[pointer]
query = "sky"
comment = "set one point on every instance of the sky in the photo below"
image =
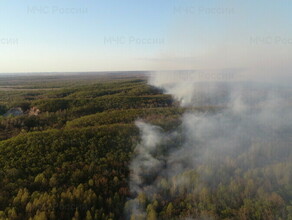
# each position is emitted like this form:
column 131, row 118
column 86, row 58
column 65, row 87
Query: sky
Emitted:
column 119, row 35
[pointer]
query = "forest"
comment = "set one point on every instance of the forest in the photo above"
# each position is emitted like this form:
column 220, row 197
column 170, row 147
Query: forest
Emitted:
column 67, row 155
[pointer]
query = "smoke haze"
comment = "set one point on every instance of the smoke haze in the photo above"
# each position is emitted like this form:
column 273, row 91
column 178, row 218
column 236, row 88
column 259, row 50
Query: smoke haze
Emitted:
column 249, row 132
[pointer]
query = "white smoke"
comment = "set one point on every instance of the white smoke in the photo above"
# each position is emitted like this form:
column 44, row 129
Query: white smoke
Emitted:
column 250, row 118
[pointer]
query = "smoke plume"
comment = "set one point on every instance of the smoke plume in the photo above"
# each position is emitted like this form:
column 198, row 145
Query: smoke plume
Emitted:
column 249, row 130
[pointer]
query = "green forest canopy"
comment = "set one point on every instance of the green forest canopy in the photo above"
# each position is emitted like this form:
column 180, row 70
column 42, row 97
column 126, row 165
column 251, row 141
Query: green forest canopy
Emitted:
column 71, row 161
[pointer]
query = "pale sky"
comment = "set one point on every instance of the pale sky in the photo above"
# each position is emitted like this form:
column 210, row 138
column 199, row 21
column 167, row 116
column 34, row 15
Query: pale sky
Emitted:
column 113, row 35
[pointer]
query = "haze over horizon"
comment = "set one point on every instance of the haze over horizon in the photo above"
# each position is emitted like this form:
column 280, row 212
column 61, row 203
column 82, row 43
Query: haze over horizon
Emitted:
column 81, row 36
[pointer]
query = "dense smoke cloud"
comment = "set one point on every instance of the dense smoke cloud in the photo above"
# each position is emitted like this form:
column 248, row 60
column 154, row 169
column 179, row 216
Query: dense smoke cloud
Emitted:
column 250, row 129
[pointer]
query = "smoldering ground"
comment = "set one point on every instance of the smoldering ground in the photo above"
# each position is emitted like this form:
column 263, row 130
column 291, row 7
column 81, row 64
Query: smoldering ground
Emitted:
column 250, row 132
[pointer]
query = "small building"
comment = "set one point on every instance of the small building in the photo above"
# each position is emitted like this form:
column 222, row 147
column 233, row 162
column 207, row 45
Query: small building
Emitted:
column 33, row 111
